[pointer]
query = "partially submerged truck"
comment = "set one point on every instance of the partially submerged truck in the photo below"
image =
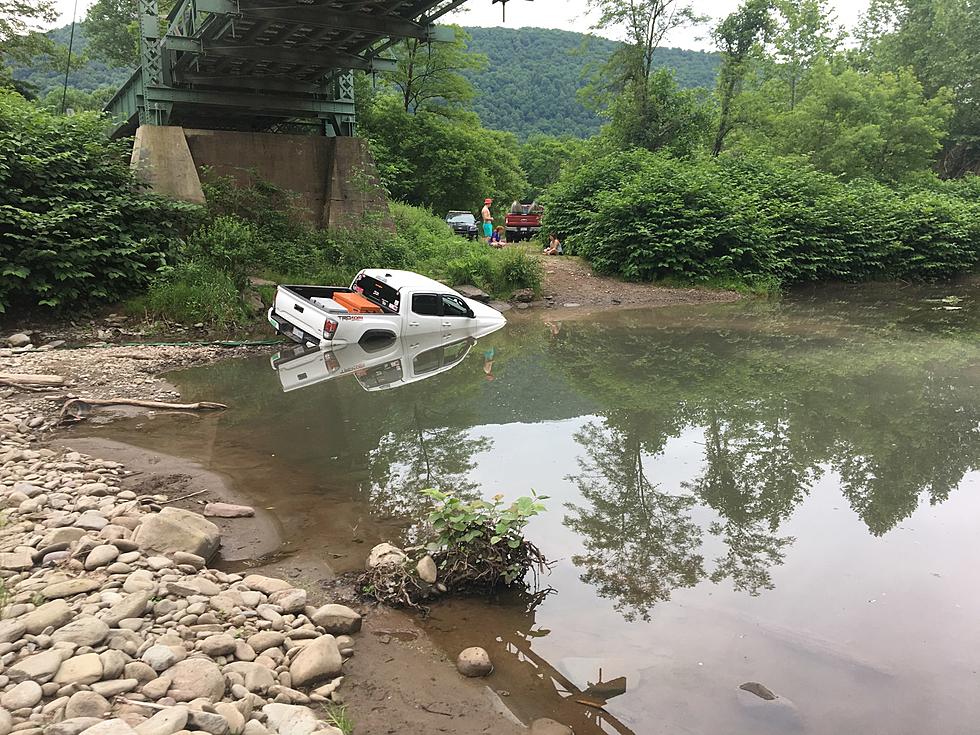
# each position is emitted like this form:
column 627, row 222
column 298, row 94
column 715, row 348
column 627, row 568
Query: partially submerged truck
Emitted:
column 378, row 305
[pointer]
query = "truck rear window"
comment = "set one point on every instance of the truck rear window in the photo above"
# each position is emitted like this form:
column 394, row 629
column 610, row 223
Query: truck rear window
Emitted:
column 380, row 293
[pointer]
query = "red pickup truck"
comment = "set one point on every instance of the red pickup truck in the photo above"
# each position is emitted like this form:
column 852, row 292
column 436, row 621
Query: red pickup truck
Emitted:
column 523, row 221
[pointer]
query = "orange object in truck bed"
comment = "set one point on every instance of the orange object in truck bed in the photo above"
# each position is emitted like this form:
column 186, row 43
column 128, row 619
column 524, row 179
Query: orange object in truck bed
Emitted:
column 355, row 303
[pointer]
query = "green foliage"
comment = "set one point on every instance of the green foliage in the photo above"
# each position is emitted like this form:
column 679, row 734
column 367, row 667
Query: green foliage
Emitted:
column 19, row 24
column 113, row 31
column 660, row 117
column 336, row 715
column 429, row 75
column 191, row 292
column 937, row 40
column 467, row 527
column 646, row 217
column 532, row 82
column 542, row 158
column 75, row 227
column 438, row 161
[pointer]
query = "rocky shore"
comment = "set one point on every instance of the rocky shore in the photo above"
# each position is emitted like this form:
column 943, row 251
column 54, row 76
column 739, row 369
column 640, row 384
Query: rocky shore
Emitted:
column 112, row 622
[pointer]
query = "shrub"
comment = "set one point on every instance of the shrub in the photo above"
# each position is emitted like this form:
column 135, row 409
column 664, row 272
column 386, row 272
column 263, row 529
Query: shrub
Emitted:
column 75, row 227
column 645, row 216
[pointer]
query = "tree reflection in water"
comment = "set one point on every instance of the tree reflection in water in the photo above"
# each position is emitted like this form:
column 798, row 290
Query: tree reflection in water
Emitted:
column 640, row 541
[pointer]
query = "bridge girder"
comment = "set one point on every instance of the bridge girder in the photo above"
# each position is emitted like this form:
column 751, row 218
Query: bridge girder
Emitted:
column 240, row 64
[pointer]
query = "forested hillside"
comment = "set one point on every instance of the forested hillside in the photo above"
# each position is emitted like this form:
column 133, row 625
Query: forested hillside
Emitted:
column 531, row 83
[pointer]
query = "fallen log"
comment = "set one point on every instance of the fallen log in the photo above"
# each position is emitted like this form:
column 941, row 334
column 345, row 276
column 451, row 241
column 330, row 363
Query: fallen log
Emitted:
column 69, row 412
column 25, row 379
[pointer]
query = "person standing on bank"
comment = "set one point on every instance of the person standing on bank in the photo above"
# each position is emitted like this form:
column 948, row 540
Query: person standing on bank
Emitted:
column 487, row 220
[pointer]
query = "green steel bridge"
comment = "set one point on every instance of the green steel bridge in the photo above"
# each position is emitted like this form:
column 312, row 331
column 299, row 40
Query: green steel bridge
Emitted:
column 252, row 65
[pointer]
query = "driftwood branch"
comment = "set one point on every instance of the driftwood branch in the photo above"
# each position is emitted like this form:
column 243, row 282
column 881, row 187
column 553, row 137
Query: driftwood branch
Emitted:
column 31, row 382
column 71, row 408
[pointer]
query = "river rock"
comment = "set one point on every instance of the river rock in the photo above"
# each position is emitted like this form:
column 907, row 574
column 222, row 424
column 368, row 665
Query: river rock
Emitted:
column 84, row 630
column 385, row 554
column 474, row 662
column 84, row 669
column 51, row 614
column 41, row 667
column 100, row 556
column 759, row 690
column 258, row 678
column 265, row 639
column 546, row 726
column 290, row 601
column 265, row 585
column 319, row 659
column 337, row 619
column 113, row 663
column 427, row 570
column 87, row 704
column 208, row 722
column 18, row 340
column 16, row 561
column 131, row 606
column 165, row 722
column 290, row 719
column 111, row 727
column 74, row 726
column 70, row 587
column 114, row 687
column 218, row 645
column 6, row 722
column 175, row 529
column 231, row 715
column 26, row 694
column 196, row 677
column 91, row 520
column 159, row 658
column 11, row 630
column 183, row 557
column 227, row 510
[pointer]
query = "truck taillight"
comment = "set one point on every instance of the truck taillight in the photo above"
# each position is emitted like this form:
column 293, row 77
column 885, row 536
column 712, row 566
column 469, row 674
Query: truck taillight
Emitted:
column 329, row 328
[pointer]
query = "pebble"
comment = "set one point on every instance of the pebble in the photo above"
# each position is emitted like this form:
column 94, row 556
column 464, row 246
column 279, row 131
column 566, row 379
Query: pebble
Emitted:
column 474, row 662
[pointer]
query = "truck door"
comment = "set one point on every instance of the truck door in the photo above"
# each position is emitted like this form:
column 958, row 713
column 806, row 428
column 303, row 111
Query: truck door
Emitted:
column 424, row 314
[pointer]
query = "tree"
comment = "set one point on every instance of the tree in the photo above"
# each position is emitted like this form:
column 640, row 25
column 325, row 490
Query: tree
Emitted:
column 854, row 125
column 666, row 117
column 937, row 39
column 542, row 158
column 113, row 32
column 737, row 37
column 430, row 76
column 804, row 31
column 438, row 161
column 20, row 39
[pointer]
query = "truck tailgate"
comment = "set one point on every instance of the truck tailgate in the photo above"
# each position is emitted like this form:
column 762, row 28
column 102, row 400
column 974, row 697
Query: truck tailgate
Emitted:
column 304, row 320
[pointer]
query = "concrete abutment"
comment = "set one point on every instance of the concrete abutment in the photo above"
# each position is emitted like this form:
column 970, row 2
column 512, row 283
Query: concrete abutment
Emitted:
column 335, row 179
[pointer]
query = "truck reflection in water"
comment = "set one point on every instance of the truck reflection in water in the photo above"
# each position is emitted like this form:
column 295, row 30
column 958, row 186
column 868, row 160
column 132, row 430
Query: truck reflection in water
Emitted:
column 378, row 364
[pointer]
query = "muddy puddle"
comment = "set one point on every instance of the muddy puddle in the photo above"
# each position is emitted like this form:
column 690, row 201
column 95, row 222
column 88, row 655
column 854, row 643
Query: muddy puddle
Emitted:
column 781, row 493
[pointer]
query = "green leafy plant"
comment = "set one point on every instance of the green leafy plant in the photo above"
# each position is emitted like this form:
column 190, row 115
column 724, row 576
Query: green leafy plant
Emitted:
column 480, row 531
column 75, row 226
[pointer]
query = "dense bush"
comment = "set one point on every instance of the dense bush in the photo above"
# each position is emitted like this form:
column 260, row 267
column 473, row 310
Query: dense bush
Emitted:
column 75, row 228
column 645, row 217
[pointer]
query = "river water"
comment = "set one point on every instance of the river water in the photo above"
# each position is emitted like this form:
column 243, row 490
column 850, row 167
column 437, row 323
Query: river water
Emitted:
column 781, row 492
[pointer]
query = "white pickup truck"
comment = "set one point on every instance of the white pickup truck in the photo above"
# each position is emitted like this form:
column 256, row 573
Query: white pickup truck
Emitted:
column 402, row 304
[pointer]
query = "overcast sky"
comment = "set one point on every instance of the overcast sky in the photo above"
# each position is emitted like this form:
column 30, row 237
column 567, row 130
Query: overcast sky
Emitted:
column 570, row 15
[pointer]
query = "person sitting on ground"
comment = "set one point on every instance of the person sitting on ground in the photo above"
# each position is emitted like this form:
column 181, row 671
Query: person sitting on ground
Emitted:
column 497, row 238
column 554, row 245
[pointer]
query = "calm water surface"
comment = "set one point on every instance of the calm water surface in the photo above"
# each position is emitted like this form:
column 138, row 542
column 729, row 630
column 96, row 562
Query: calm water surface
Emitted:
column 784, row 493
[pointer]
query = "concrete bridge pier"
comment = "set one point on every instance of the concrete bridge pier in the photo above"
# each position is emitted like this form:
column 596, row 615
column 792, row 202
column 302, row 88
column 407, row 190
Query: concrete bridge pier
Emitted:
column 335, row 178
